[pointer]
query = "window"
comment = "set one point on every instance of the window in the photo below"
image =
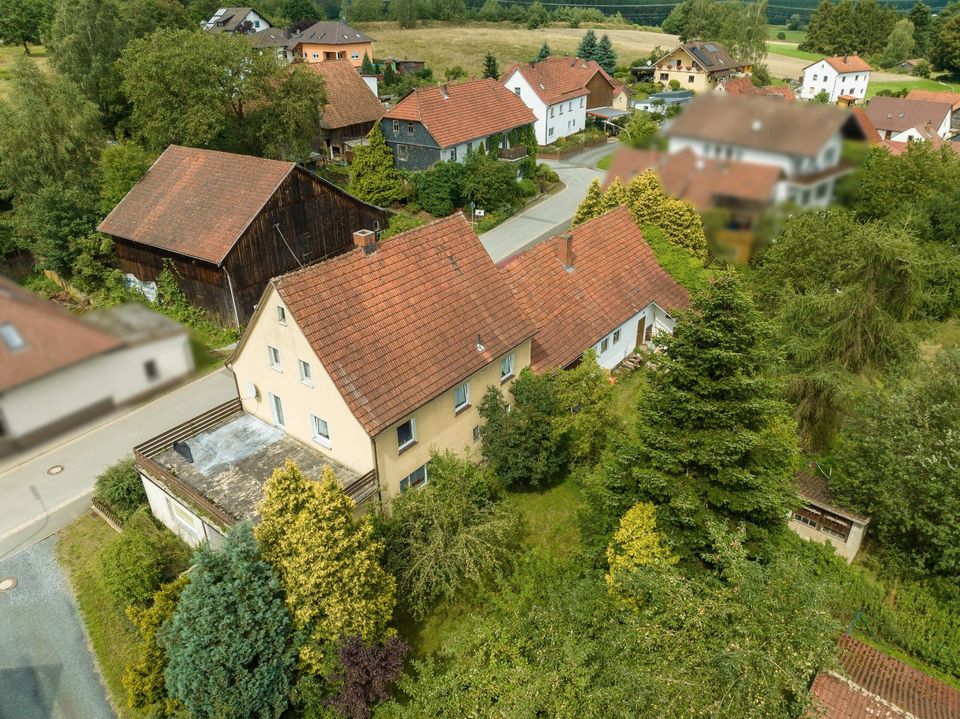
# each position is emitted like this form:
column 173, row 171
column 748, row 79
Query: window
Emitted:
column 453, row 154
column 664, row 76
column 570, row 106
column 321, row 431
column 406, row 434
column 461, row 397
column 469, row 147
column 506, row 368
column 476, row 433
column 616, row 336
column 604, row 344
column 396, row 126
column 417, row 478
column 409, row 128
column 516, row 91
column 281, row 315
column 276, row 409
column 581, row 102
column 551, row 111
column 306, row 374
column 814, row 77
column 354, row 55
column 150, row 369
column 273, row 355
column 182, row 517
column 402, row 152
column 11, row 337
column 823, row 189
column 690, row 79
column 316, row 56
column 551, row 132
column 561, row 108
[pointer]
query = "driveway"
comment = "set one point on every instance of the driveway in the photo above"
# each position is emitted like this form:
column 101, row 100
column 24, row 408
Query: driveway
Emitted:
column 552, row 215
column 46, row 669
column 34, row 503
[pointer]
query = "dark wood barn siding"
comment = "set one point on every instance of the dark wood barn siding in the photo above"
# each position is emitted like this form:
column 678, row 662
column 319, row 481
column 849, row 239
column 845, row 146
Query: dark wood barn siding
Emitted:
column 601, row 92
column 316, row 220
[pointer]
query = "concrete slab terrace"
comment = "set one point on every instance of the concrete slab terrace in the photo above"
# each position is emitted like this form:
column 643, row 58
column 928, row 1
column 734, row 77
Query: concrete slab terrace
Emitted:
column 232, row 461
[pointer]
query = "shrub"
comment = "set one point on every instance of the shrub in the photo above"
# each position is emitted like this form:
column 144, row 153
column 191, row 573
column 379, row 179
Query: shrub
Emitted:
column 365, row 675
column 781, row 35
column 674, row 84
column 439, row 188
column 528, row 188
column 487, row 182
column 120, row 488
column 400, row 222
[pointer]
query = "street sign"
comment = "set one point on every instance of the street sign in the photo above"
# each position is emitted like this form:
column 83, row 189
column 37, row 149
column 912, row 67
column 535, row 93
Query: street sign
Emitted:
column 478, row 213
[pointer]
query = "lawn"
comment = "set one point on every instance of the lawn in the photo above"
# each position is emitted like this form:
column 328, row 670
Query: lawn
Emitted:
column 604, row 162
column 790, row 50
column 112, row 636
column 911, row 83
column 796, row 36
column 9, row 53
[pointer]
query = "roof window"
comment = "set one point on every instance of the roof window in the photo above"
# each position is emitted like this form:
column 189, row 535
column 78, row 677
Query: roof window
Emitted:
column 11, row 337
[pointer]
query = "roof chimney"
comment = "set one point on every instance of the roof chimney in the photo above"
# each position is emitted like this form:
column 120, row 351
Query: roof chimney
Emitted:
column 366, row 240
column 565, row 250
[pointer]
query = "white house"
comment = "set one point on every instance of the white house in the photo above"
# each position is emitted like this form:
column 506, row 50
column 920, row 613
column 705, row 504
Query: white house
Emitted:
column 803, row 139
column 229, row 19
column 900, row 119
column 844, row 78
column 556, row 90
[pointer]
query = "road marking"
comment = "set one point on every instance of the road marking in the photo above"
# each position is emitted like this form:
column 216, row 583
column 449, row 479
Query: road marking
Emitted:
column 44, row 515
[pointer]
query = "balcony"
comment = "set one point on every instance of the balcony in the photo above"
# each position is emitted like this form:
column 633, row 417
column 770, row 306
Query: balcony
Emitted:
column 511, row 154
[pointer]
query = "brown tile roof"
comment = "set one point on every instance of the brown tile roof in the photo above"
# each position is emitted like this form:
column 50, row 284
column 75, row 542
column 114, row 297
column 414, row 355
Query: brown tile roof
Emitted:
column 397, row 327
column 898, row 147
column 329, row 32
column 877, row 685
column 231, row 17
column 349, row 99
column 813, row 488
column 270, row 37
column 196, row 202
column 847, row 63
column 698, row 180
column 898, row 113
column 873, row 137
column 556, row 79
column 454, row 114
column 781, row 127
column 53, row 337
column 711, row 56
column 934, row 96
column 615, row 276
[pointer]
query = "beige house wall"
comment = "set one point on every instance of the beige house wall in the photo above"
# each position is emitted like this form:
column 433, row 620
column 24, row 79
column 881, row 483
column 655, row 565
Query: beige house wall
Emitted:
column 307, row 50
column 439, row 427
column 349, row 443
column 848, row 550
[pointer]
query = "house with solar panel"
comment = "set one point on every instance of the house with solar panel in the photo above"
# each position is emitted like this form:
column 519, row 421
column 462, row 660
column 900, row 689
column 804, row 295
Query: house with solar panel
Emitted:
column 698, row 66
column 244, row 20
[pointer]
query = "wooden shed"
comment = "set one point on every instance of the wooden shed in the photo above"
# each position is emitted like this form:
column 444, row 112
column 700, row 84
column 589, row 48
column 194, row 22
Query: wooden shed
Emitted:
column 229, row 223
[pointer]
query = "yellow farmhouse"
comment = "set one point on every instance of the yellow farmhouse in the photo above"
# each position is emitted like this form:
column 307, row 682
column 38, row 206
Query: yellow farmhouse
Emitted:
column 698, row 66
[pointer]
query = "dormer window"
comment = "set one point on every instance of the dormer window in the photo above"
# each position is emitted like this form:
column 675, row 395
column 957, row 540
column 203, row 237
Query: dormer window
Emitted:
column 12, row 337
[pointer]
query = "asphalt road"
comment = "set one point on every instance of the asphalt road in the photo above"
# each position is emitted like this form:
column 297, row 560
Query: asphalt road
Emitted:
column 35, row 504
column 551, row 216
column 46, row 669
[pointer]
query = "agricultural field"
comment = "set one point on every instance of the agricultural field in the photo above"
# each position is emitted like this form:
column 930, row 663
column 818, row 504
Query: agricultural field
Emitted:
column 909, row 82
column 8, row 54
column 794, row 36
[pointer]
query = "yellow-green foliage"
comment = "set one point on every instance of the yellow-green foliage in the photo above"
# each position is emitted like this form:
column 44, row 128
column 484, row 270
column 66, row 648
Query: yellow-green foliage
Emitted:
column 635, row 544
column 644, row 196
column 615, row 196
column 684, row 225
column 592, row 204
column 328, row 561
column 144, row 680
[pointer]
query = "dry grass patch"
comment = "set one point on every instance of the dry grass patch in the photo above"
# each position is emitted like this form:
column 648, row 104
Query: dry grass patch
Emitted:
column 9, row 53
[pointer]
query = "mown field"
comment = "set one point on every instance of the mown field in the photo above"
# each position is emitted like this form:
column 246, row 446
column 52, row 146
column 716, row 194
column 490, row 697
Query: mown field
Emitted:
column 8, row 54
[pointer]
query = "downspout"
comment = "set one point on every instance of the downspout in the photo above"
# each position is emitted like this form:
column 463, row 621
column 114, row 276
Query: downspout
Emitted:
column 233, row 297
column 376, row 469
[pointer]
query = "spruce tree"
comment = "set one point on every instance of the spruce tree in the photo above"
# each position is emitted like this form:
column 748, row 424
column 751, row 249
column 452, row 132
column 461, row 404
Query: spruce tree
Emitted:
column 591, row 206
column 605, row 56
column 544, row 52
column 714, row 439
column 367, row 67
column 588, row 46
column 490, row 68
column 373, row 177
column 922, row 18
column 327, row 559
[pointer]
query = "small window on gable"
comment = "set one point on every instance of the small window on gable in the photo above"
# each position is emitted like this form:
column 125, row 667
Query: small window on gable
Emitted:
column 616, row 336
column 604, row 344
column 273, row 355
column 396, row 126
column 150, row 369
column 281, row 315
column 321, row 430
column 814, row 76
column 506, row 368
column 516, row 91
column 581, row 102
column 306, row 374
column 461, row 397
column 406, row 434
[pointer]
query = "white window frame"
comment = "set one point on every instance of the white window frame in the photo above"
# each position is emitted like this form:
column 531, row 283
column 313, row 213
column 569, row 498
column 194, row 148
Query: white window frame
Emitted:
column 306, row 372
column 507, row 363
column 466, row 397
column 281, row 315
column 183, row 517
column 405, row 482
column 276, row 409
column 396, row 127
column 316, row 426
column 402, row 153
column 616, row 336
column 604, row 345
column 413, row 434
column 273, row 357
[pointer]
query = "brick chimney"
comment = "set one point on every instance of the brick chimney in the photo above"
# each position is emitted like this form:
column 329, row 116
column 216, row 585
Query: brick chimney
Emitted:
column 565, row 250
column 366, row 240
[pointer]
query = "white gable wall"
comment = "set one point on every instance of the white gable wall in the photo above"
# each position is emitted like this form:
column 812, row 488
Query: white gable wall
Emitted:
column 822, row 76
column 531, row 100
column 554, row 121
column 628, row 339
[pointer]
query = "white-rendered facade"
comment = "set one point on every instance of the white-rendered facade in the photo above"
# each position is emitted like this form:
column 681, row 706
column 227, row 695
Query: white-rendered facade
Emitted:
column 621, row 341
column 822, row 76
column 553, row 121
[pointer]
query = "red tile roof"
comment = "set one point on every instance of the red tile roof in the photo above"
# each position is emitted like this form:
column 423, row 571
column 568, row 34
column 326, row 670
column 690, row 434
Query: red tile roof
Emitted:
column 454, row 114
column 698, row 180
column 934, row 96
column 349, row 99
column 876, row 682
column 614, row 276
column 873, row 137
column 745, row 86
column 53, row 338
column 196, row 202
column 847, row 63
column 397, row 327
column 556, row 79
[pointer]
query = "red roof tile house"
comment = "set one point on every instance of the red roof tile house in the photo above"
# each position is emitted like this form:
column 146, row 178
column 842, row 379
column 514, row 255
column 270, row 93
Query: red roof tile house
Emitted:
column 351, row 109
column 559, row 91
column 229, row 223
column 843, row 77
column 899, row 119
column 445, row 122
column 598, row 287
column 873, row 684
column 58, row 370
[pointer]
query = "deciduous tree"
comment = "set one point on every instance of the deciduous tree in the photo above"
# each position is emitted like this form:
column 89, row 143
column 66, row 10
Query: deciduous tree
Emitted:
column 21, row 22
column 635, row 544
column 900, row 44
column 122, row 164
column 328, row 562
column 945, row 52
column 288, row 122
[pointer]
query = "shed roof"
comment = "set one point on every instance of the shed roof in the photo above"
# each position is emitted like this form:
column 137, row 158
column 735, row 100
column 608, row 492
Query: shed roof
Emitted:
column 813, row 488
column 349, row 99
column 454, row 114
column 556, row 79
column 615, row 275
column 196, row 202
column 898, row 113
column 756, row 122
column 50, row 338
column 397, row 327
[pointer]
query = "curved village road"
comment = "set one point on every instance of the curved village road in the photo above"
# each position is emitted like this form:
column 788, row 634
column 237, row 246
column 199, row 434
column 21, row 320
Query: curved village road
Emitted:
column 550, row 216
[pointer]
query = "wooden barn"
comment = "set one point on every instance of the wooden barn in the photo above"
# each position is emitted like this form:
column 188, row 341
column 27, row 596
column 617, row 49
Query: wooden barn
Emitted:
column 229, row 223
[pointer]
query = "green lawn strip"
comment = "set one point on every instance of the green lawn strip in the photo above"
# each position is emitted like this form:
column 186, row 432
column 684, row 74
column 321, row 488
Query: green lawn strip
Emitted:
column 788, row 50
column 911, row 83
column 112, row 636
column 604, row 162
